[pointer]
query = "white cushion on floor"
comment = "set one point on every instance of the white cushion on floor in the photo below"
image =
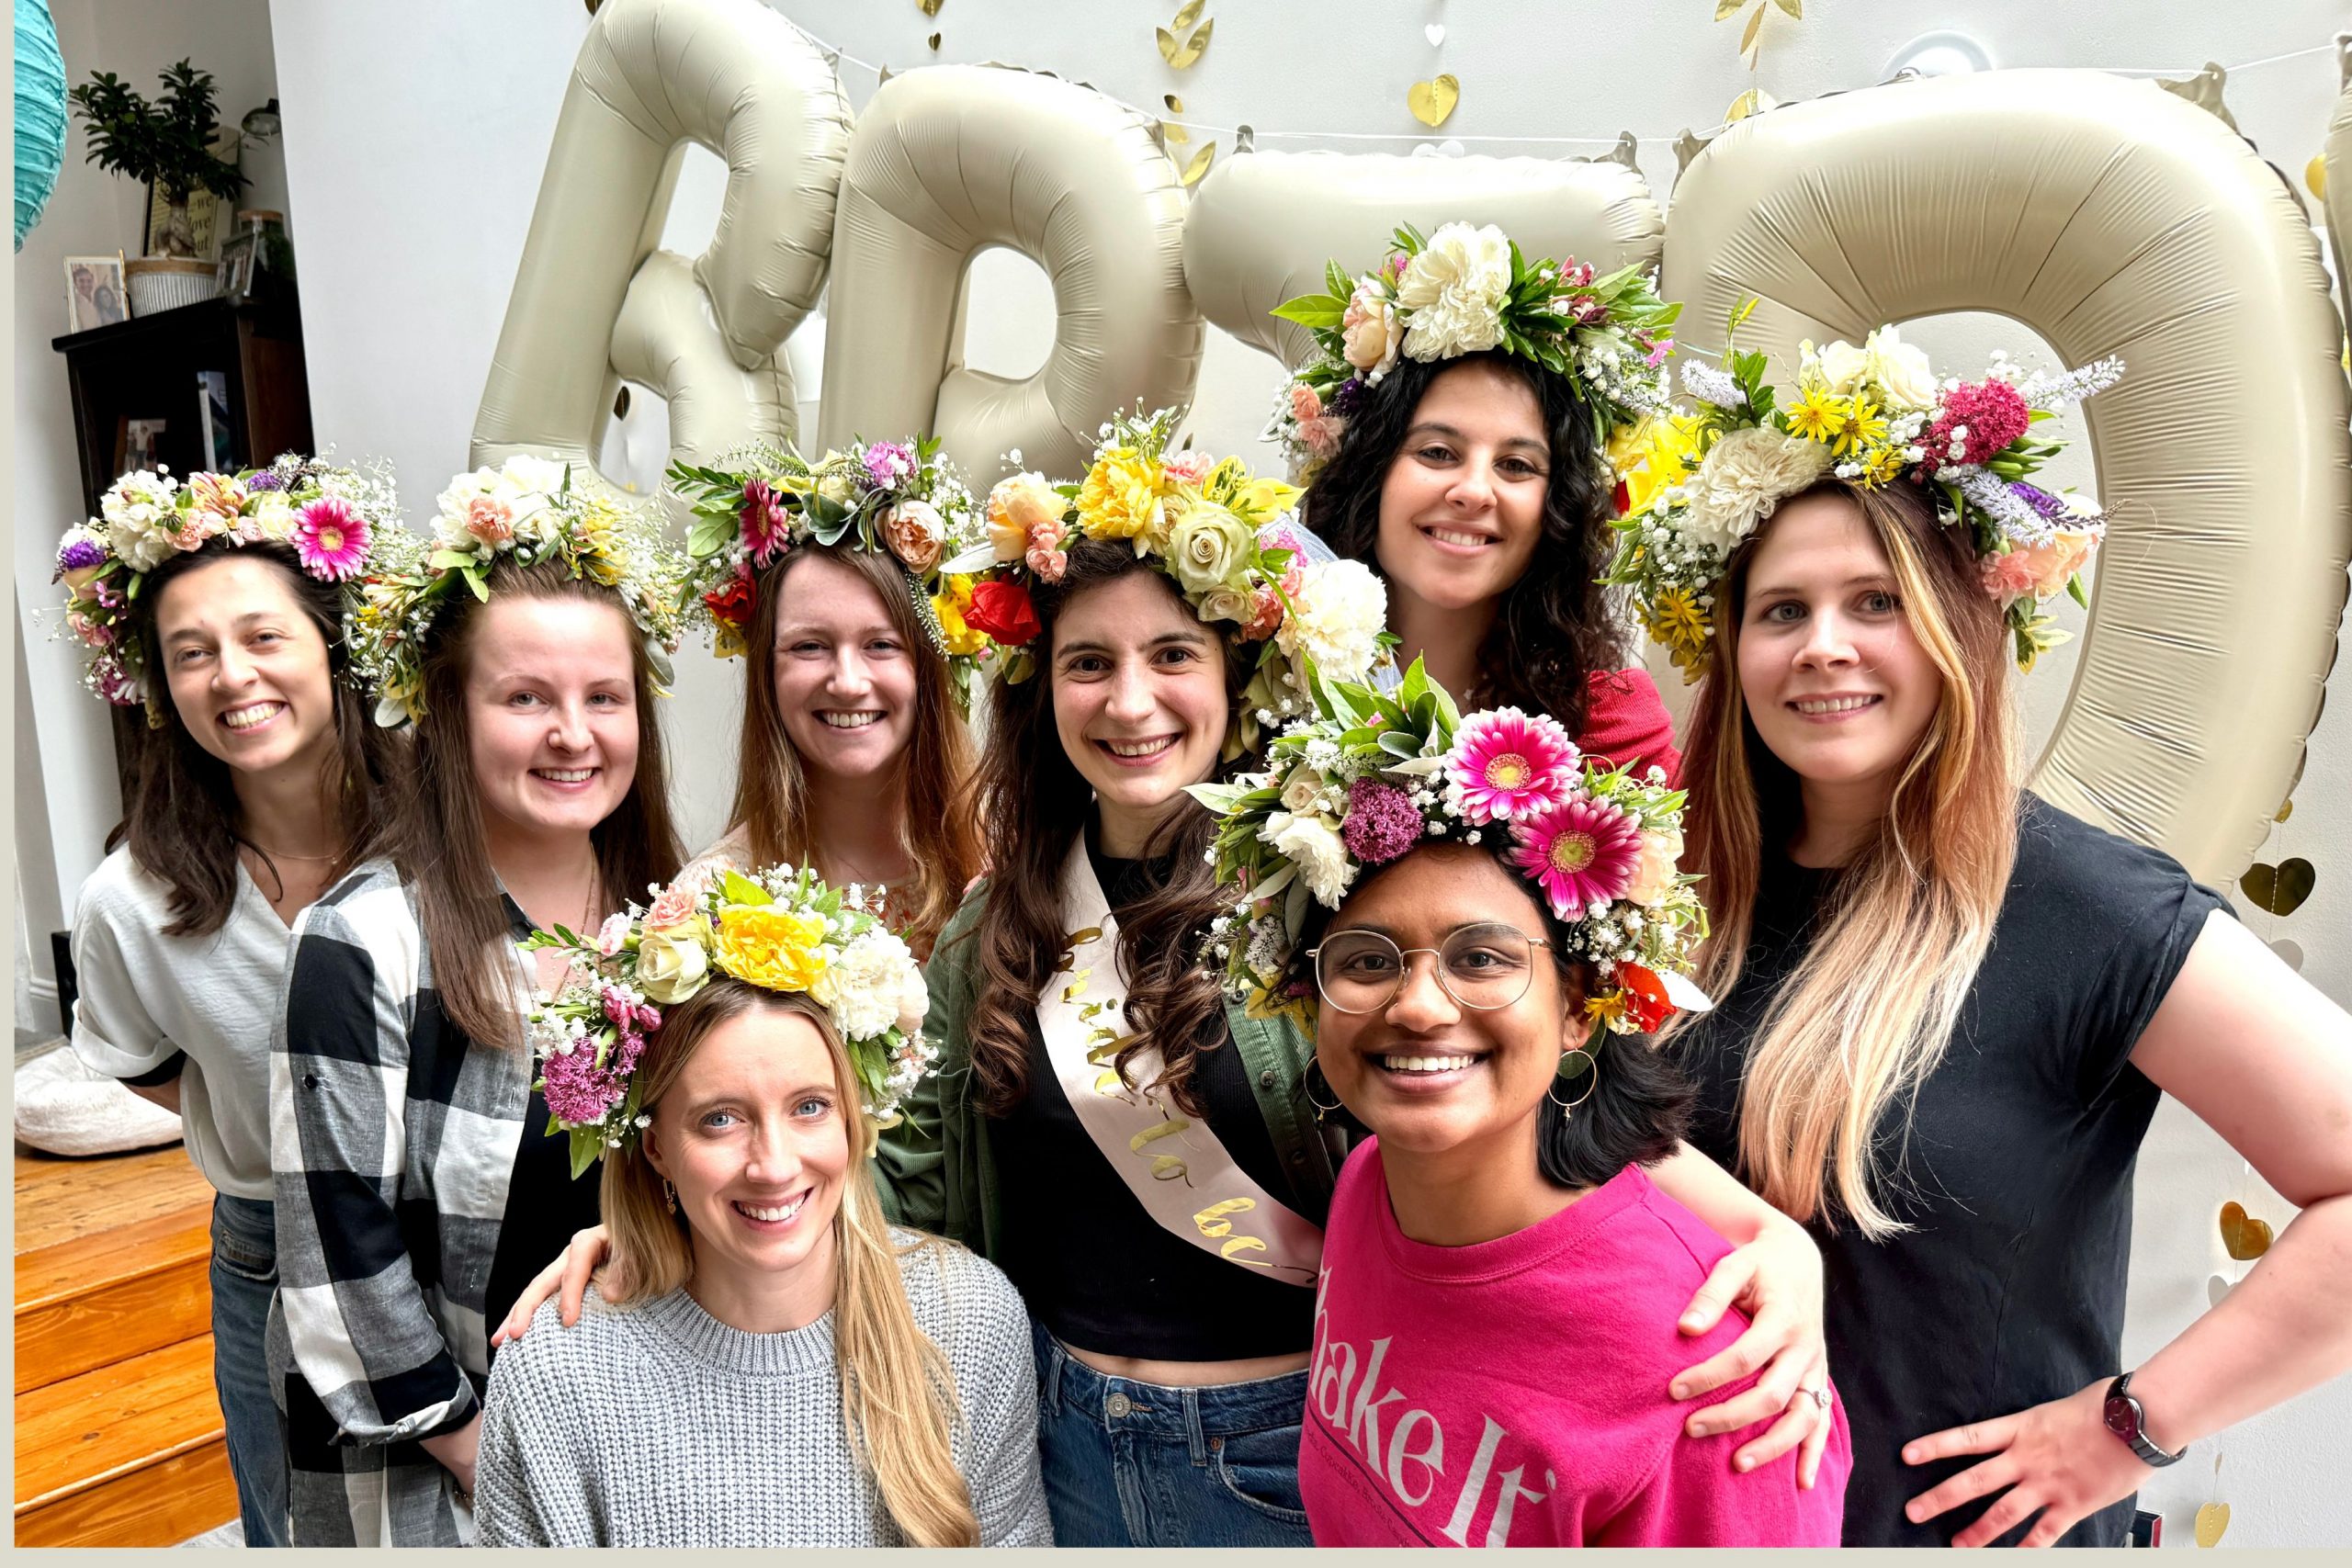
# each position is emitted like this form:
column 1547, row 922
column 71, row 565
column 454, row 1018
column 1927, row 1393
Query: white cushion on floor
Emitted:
column 65, row 1107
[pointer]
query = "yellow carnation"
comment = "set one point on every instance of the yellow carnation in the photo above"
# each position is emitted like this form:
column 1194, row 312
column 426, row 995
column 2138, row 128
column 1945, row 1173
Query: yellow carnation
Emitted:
column 771, row 947
column 1120, row 498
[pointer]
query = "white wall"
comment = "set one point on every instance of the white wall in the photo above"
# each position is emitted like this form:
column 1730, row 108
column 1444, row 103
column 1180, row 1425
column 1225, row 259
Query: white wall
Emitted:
column 66, row 798
column 414, row 138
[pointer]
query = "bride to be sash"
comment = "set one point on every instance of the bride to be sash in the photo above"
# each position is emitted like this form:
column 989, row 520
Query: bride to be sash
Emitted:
column 1184, row 1176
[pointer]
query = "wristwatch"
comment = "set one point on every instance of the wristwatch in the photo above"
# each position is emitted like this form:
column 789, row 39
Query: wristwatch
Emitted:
column 2128, row 1422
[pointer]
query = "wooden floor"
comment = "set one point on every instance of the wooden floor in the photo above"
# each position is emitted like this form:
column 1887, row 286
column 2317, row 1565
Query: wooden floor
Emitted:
column 119, row 1434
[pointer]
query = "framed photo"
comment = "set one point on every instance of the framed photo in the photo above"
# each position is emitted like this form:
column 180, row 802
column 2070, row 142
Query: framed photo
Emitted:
column 236, row 269
column 94, row 296
column 207, row 215
column 136, row 442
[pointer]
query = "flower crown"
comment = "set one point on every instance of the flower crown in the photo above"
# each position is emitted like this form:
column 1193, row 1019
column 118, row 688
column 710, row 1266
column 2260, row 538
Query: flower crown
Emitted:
column 893, row 498
column 781, row 929
column 1871, row 416
column 1462, row 290
column 1226, row 536
column 342, row 524
column 525, row 511
column 1370, row 774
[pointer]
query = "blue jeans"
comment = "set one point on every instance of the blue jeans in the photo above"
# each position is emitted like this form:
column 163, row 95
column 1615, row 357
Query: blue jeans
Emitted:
column 244, row 1277
column 1136, row 1464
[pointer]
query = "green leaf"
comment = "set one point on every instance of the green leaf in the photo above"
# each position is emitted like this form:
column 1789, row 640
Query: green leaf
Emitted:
column 1341, row 285
column 2076, row 591
column 1401, row 743
column 475, row 579
column 1312, row 310
column 587, row 1142
column 737, row 888
column 708, row 537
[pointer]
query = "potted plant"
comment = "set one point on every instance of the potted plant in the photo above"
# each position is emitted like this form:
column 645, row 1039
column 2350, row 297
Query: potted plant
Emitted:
column 168, row 143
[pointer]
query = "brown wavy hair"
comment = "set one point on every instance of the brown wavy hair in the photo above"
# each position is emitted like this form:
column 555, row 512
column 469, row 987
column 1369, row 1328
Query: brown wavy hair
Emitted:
column 1850, row 1037
column 898, row 1404
column 1554, row 628
column 772, row 791
column 438, row 839
column 182, row 821
column 1035, row 804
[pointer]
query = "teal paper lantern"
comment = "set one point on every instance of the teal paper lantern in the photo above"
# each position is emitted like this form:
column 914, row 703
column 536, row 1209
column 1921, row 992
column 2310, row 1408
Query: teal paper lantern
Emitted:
column 40, row 113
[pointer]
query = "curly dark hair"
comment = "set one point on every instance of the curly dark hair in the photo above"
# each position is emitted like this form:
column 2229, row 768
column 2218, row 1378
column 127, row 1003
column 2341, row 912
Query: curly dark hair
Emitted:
column 1553, row 630
column 1034, row 804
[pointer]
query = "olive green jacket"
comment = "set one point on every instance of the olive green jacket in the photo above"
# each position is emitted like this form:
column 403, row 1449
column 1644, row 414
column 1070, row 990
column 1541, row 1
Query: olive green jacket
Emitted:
column 936, row 1170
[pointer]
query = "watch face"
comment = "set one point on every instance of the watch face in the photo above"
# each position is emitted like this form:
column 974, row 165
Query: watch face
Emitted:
column 2121, row 1418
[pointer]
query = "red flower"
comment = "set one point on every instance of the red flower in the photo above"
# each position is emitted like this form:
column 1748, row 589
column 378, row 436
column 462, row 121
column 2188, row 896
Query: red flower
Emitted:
column 1646, row 1005
column 1624, row 498
column 732, row 602
column 1001, row 612
column 1992, row 412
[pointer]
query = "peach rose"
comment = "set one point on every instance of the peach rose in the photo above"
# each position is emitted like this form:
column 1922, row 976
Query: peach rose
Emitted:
column 914, row 531
column 1655, row 869
column 1370, row 330
column 1018, row 506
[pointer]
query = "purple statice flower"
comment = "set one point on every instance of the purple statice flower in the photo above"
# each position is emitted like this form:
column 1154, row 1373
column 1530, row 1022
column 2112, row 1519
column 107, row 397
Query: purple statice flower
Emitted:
column 264, row 480
column 1346, row 398
column 2051, row 507
column 889, row 464
column 1382, row 823
column 78, row 552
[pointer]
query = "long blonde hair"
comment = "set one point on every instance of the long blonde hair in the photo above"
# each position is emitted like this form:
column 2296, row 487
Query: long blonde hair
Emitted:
column 1868, row 1014
column 899, row 1404
column 937, row 829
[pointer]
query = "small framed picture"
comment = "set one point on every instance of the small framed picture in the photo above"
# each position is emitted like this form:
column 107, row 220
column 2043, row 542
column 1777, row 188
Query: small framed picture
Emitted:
column 236, row 268
column 93, row 292
column 139, row 441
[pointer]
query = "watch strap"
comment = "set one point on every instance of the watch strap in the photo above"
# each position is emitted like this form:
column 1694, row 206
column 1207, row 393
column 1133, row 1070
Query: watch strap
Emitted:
column 2136, row 1436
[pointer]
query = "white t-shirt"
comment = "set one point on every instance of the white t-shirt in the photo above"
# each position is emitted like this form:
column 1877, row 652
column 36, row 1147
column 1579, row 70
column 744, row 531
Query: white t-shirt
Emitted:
column 145, row 996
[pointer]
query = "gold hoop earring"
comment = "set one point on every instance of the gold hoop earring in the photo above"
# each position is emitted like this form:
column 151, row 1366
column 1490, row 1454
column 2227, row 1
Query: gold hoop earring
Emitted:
column 1586, row 1065
column 1307, row 1086
column 670, row 1194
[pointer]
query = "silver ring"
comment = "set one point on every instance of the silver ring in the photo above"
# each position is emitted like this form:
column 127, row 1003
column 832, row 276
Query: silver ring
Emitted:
column 1820, row 1396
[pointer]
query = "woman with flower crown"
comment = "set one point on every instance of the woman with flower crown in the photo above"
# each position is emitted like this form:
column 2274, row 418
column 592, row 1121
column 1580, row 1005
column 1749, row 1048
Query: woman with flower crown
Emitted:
column 1948, row 1007
column 772, row 1365
column 1514, row 1114
column 218, row 604
column 830, row 576
column 1455, row 425
column 407, row 1134
column 1096, row 1100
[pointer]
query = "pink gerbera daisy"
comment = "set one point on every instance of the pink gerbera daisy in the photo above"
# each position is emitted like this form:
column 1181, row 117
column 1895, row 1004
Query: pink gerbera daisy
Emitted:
column 1505, row 764
column 1582, row 853
column 767, row 522
column 331, row 539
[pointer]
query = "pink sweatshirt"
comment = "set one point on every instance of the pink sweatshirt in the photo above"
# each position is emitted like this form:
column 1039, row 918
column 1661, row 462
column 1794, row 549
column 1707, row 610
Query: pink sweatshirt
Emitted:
column 1513, row 1392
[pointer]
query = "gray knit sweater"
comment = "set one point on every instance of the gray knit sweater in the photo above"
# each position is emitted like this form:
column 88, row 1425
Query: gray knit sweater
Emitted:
column 659, row 1425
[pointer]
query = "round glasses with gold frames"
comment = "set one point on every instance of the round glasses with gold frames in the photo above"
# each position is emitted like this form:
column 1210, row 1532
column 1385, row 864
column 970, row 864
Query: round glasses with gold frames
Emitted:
column 1483, row 967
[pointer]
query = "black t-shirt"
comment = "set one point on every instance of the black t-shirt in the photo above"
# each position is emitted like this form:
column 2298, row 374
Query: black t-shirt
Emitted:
column 543, row 1206
column 1093, row 1264
column 2015, row 1178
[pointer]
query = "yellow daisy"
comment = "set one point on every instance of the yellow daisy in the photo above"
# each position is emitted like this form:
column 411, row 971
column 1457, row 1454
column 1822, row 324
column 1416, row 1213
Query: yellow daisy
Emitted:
column 1865, row 427
column 1816, row 415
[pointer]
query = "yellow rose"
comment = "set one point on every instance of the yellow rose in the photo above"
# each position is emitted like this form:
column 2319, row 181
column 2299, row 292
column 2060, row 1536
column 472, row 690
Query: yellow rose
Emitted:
column 769, row 947
column 673, row 961
column 1120, row 498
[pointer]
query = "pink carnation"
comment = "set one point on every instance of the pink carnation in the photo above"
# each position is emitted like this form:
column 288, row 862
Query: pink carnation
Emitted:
column 1304, row 404
column 612, row 934
column 1993, row 414
column 1321, row 436
column 1382, row 823
column 671, row 905
column 1189, row 468
column 1505, row 764
column 1048, row 565
column 1582, row 853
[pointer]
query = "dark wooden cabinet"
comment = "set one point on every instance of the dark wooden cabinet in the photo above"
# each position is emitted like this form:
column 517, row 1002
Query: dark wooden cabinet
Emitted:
column 147, row 368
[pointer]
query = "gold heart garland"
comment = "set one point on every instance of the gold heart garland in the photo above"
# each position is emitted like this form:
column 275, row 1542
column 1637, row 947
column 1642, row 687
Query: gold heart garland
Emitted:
column 2281, row 888
column 2245, row 1238
column 1432, row 102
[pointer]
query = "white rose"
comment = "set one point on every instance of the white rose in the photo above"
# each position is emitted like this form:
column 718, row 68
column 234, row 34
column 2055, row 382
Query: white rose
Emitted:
column 1335, row 619
column 1370, row 330
column 1226, row 604
column 1302, row 790
column 1842, row 366
column 273, row 515
column 1906, row 381
column 1454, row 290
column 1744, row 476
column 1313, row 845
column 523, row 475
